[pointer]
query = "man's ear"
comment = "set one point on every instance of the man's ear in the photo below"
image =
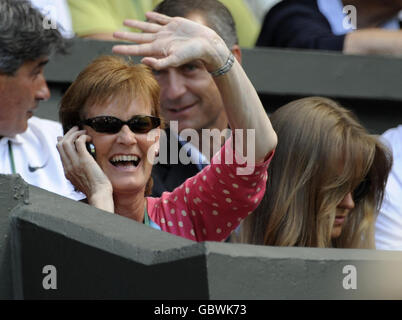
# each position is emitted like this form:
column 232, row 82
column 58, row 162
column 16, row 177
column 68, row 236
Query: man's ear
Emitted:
column 237, row 52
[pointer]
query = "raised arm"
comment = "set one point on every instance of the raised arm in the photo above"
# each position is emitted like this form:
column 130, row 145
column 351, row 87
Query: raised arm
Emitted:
column 171, row 42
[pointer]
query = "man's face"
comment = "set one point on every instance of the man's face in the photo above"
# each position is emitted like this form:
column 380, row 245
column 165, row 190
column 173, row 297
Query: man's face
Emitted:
column 20, row 95
column 190, row 96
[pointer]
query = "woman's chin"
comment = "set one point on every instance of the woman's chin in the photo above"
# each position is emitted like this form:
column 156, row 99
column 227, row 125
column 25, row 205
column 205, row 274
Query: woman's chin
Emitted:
column 129, row 186
column 336, row 232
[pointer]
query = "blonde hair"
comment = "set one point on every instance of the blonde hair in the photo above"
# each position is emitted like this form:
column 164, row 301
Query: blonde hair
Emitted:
column 323, row 153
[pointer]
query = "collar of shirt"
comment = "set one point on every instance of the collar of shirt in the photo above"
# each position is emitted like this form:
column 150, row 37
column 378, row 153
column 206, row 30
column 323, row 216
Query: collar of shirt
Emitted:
column 33, row 137
column 17, row 139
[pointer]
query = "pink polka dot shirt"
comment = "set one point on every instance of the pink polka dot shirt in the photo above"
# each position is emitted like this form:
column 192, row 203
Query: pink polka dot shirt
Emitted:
column 210, row 205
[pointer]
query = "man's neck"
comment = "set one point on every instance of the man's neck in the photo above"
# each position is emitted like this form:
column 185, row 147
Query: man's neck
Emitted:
column 372, row 13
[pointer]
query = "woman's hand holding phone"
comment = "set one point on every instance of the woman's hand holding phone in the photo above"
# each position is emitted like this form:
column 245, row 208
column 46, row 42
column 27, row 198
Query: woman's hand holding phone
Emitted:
column 83, row 171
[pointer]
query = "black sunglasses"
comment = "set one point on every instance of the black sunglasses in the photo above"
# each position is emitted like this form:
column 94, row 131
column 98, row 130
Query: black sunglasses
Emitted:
column 362, row 190
column 109, row 124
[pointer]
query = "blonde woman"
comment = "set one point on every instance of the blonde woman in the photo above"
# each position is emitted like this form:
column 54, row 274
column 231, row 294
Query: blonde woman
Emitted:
column 326, row 182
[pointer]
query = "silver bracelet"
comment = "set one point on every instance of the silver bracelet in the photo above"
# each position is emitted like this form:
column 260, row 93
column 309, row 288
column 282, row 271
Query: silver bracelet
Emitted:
column 225, row 68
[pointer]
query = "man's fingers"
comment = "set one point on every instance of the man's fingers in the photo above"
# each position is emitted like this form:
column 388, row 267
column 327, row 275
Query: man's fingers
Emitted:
column 159, row 64
column 142, row 25
column 124, row 50
column 135, row 36
column 158, row 17
column 146, row 49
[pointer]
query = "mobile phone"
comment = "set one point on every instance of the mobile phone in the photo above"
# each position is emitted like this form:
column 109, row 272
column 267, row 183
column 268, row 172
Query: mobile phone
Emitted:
column 91, row 149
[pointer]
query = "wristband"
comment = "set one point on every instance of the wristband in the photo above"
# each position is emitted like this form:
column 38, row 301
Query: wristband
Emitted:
column 225, row 68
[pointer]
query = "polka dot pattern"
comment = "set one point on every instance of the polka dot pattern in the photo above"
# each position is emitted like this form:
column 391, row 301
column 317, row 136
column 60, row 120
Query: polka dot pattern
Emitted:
column 210, row 205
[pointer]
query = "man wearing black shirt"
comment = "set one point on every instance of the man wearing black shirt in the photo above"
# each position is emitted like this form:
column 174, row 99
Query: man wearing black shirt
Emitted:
column 306, row 24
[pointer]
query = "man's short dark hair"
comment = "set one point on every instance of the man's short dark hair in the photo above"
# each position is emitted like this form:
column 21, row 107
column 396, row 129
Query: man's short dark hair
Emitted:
column 216, row 15
column 23, row 36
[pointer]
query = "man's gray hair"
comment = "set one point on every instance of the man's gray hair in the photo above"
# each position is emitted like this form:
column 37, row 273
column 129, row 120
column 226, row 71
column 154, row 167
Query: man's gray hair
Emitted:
column 23, row 36
column 216, row 16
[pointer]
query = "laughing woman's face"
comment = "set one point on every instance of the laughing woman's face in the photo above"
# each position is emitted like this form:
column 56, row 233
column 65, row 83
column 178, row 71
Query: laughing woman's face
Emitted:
column 125, row 157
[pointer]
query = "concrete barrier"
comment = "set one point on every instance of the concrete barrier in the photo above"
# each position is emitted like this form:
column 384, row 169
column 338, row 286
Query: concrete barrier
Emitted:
column 55, row 248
